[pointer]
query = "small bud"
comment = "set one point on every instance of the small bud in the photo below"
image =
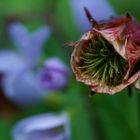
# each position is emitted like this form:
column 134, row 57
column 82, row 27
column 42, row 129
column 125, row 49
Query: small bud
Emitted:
column 54, row 75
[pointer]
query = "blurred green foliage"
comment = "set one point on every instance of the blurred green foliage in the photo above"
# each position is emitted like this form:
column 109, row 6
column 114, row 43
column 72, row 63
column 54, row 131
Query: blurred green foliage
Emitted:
column 101, row 117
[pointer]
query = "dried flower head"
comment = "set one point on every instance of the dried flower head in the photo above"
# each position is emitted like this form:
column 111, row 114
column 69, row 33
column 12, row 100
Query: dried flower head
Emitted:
column 107, row 57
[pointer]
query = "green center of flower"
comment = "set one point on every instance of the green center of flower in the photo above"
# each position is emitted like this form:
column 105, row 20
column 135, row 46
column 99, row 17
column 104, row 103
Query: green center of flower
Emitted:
column 100, row 61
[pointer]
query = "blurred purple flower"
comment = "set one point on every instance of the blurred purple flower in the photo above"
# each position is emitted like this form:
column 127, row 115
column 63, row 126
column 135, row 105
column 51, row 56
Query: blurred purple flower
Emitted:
column 101, row 9
column 43, row 127
column 54, row 75
column 20, row 84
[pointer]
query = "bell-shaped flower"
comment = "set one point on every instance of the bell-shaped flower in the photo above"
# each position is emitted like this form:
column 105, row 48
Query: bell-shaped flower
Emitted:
column 48, row 126
column 54, row 75
column 100, row 8
column 20, row 84
column 107, row 57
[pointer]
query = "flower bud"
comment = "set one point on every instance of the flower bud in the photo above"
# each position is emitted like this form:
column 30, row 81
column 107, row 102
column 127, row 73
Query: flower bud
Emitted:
column 54, row 75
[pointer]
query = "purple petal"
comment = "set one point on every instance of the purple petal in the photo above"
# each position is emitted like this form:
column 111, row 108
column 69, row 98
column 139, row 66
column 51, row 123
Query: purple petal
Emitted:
column 100, row 9
column 29, row 44
column 19, row 34
column 54, row 76
column 43, row 127
column 36, row 42
column 53, row 79
column 22, row 88
column 55, row 63
column 10, row 61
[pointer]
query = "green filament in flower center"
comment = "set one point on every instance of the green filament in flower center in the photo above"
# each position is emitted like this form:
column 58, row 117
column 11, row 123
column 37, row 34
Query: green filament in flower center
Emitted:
column 100, row 61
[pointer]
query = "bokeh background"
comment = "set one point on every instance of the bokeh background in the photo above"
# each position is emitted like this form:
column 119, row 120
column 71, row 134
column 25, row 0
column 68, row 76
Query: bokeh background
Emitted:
column 100, row 117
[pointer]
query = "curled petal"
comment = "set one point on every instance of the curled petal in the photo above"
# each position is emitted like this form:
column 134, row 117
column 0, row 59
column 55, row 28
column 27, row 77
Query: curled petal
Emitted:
column 48, row 126
column 133, row 49
column 112, row 30
column 133, row 57
column 112, row 90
